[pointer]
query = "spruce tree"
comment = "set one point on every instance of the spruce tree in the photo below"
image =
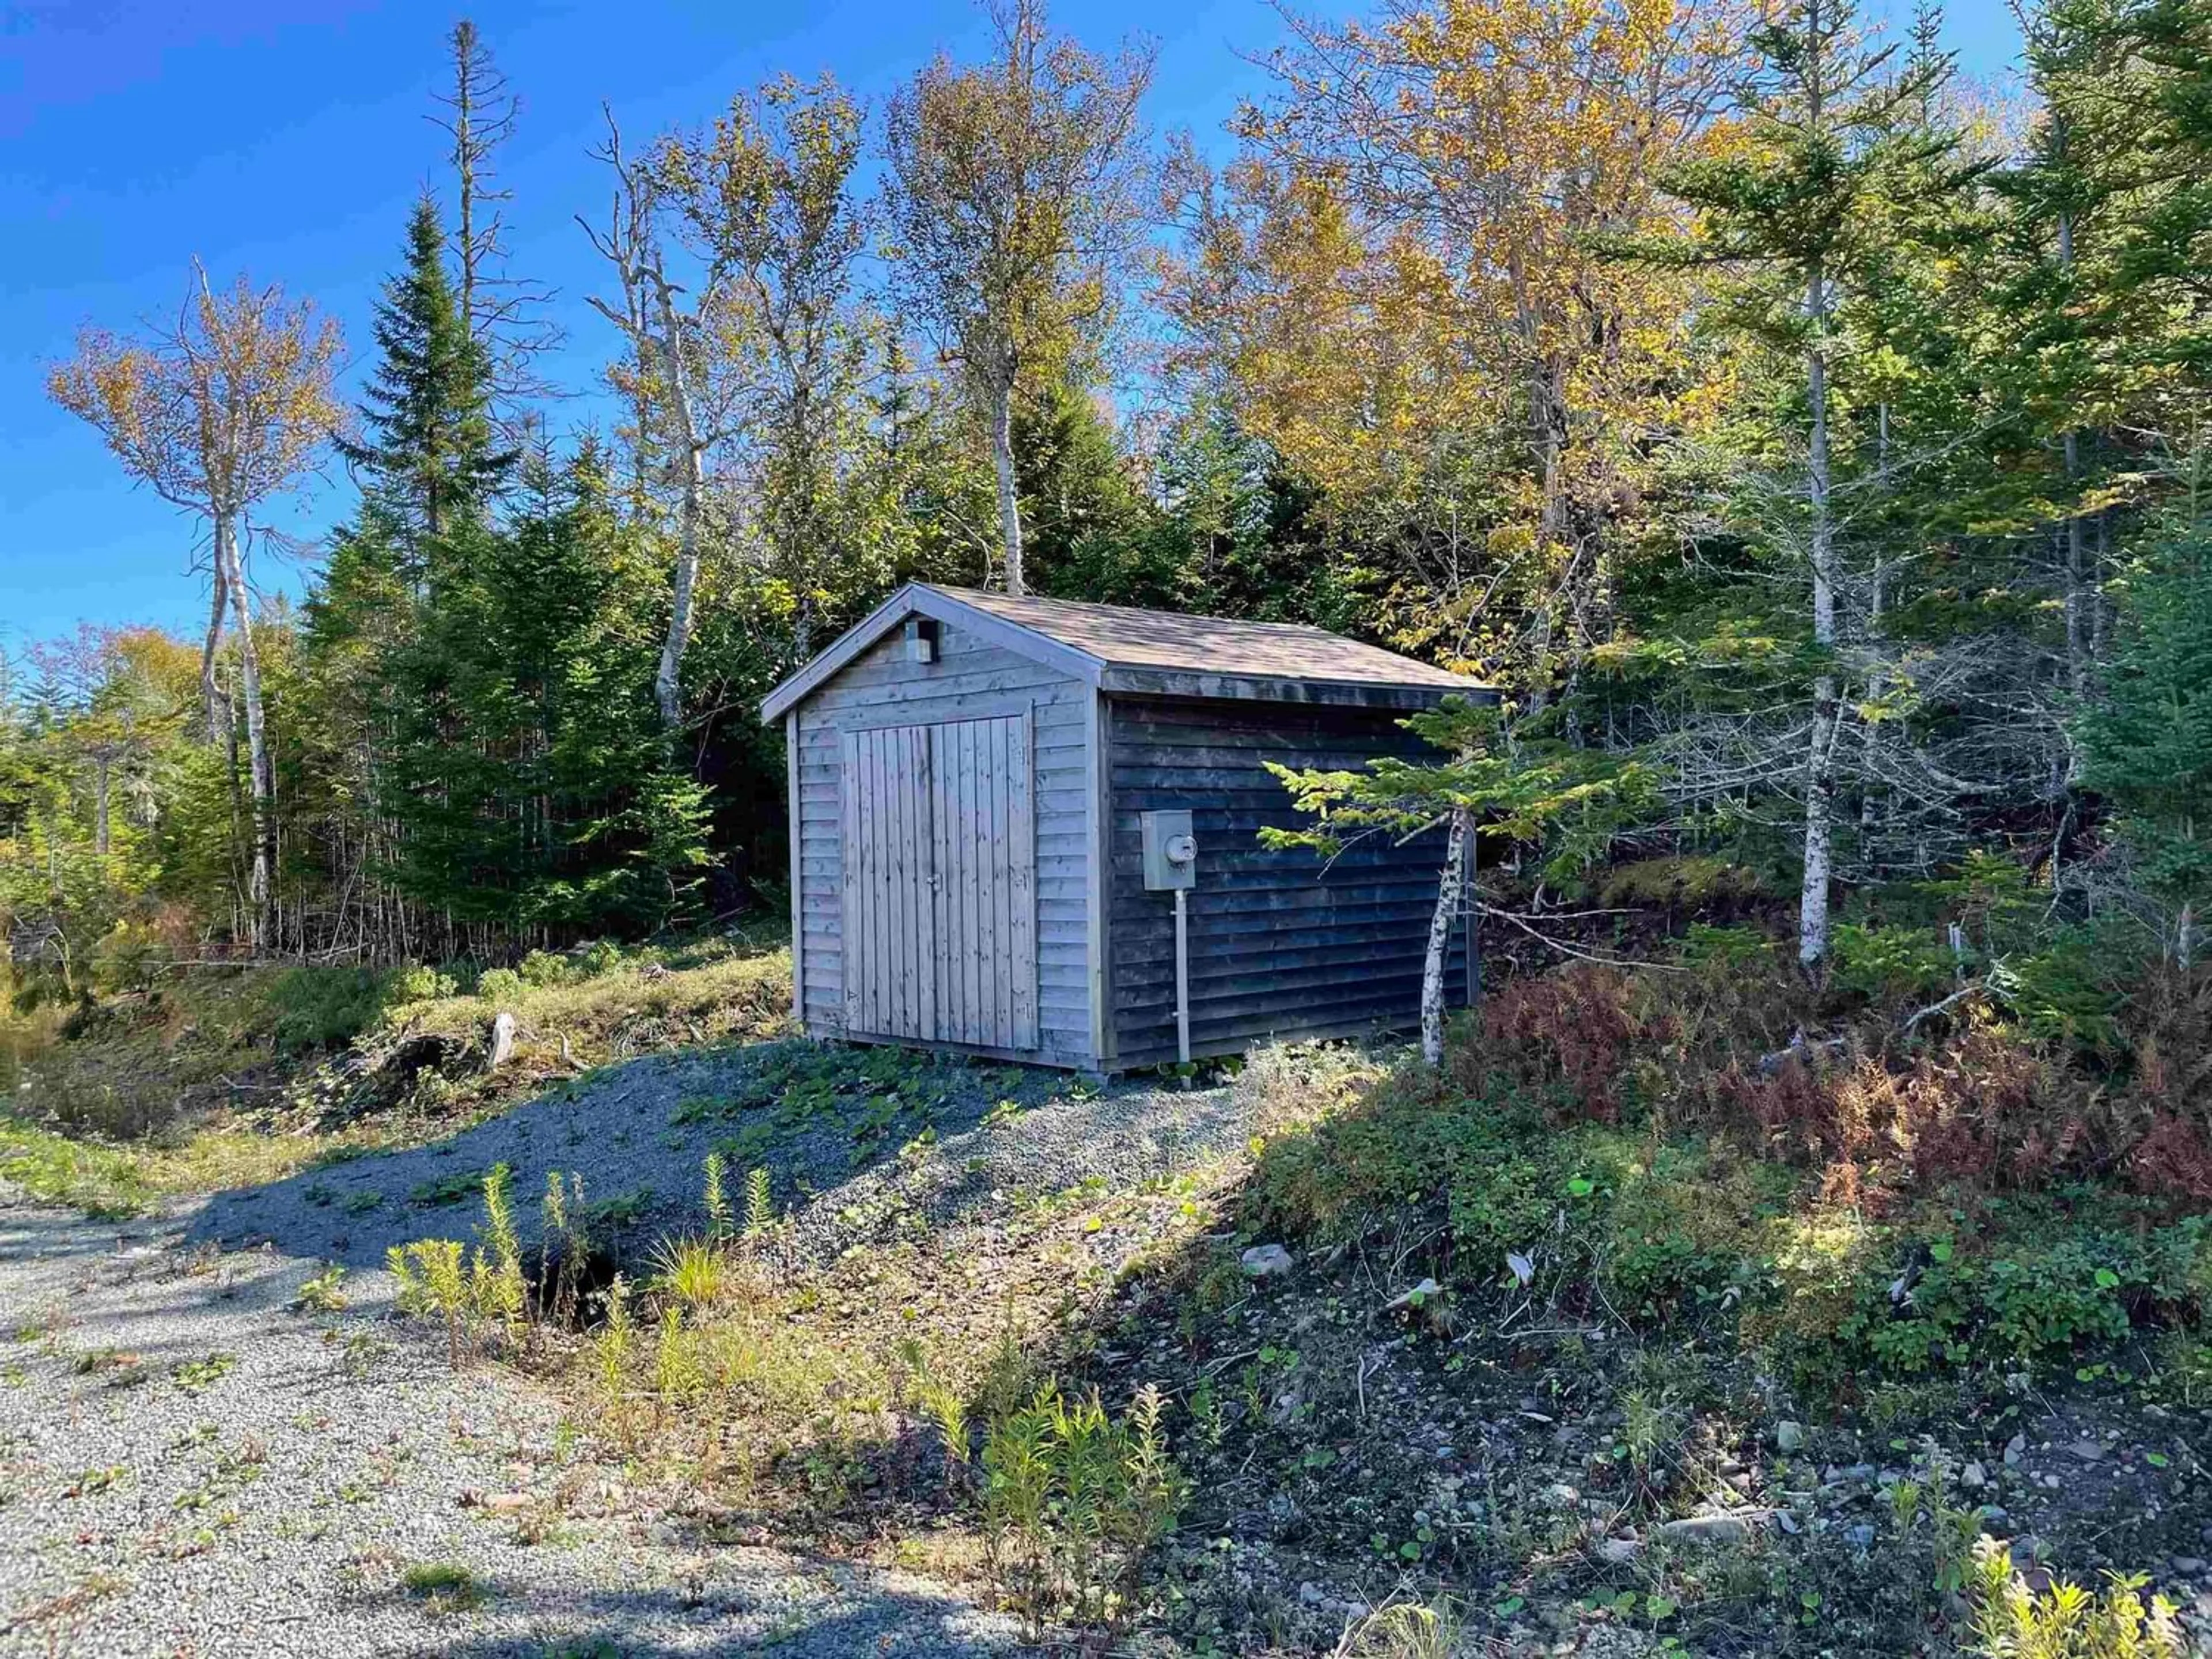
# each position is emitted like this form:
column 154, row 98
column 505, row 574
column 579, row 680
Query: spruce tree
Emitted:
column 429, row 450
column 1803, row 211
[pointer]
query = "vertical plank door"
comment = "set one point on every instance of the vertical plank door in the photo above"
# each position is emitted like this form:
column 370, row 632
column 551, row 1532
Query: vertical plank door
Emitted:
column 940, row 882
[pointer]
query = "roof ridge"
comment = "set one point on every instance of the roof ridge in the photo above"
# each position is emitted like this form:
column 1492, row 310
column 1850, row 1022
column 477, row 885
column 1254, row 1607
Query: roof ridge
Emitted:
column 964, row 593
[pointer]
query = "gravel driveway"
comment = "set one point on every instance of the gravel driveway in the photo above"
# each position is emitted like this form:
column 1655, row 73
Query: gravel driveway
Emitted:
column 189, row 1465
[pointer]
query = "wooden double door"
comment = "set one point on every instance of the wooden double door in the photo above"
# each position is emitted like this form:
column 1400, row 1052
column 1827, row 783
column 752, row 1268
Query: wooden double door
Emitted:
column 940, row 882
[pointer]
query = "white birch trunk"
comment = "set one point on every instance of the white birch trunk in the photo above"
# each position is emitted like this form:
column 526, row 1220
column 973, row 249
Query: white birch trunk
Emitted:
column 1002, row 462
column 1451, row 885
column 257, row 739
column 217, row 706
column 1870, row 787
column 1819, row 760
column 101, row 841
column 668, row 680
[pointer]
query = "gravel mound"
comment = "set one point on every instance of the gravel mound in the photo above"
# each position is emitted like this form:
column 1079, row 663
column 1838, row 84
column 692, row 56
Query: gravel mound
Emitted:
column 838, row 1129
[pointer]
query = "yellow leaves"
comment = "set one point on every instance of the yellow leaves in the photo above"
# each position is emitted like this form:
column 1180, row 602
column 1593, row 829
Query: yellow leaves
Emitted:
column 227, row 407
column 1409, row 265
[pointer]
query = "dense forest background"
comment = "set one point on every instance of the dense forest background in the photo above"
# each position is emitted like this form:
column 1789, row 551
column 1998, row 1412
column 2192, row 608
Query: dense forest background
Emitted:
column 1809, row 445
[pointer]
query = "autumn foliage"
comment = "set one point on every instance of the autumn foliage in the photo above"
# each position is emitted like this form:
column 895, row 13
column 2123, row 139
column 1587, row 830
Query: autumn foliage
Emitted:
column 1974, row 1102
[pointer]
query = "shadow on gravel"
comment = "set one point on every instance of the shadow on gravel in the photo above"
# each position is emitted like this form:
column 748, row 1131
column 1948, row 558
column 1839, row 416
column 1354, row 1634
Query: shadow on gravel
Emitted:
column 937, row 1134
column 729, row 1614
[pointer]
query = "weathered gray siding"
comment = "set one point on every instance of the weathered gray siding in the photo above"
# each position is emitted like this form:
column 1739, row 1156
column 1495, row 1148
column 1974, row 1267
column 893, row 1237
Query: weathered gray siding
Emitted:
column 971, row 680
column 1278, row 946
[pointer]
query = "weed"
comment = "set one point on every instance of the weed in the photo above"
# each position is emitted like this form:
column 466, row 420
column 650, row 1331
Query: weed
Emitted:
column 760, row 1203
column 678, row 1376
column 610, row 1352
column 717, row 1201
column 1072, row 1500
column 694, row 1272
column 324, row 1293
column 2011, row 1619
column 198, row 1376
column 564, row 1249
column 942, row 1405
column 1404, row 1631
column 498, row 1268
column 444, row 1587
column 106, row 1184
column 432, row 1280
column 441, row 1190
column 483, row 1286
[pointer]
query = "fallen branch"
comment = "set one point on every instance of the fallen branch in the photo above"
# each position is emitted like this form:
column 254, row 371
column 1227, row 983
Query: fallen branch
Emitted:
column 1936, row 1008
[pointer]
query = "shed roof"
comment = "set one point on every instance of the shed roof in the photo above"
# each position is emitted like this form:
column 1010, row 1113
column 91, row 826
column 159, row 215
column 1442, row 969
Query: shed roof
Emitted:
column 1120, row 648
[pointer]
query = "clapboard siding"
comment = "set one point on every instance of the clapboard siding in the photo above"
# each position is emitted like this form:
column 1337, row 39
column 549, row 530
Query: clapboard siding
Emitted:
column 973, row 680
column 1279, row 946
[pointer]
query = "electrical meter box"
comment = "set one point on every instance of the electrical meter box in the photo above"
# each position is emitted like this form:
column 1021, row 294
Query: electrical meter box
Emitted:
column 1171, row 851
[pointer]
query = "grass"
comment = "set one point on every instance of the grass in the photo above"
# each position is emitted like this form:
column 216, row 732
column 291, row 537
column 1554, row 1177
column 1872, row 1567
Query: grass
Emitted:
column 216, row 1079
column 113, row 1182
column 444, row 1587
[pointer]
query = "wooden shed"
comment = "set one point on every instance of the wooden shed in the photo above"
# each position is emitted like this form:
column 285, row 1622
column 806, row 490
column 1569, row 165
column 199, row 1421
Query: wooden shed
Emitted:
column 987, row 849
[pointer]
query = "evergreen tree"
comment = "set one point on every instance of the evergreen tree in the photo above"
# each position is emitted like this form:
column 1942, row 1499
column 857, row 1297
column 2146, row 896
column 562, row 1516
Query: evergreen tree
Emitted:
column 429, row 450
column 1831, row 173
column 2149, row 742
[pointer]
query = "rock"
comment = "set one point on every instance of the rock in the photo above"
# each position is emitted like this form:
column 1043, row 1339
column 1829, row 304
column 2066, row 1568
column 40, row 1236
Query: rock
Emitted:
column 1617, row 1552
column 498, row 1503
column 1427, row 1291
column 1860, row 1537
column 1267, row 1261
column 1973, row 1477
column 2016, row 1448
column 1788, row 1437
column 2188, row 1564
column 2089, row 1451
column 1708, row 1529
column 1312, row 1593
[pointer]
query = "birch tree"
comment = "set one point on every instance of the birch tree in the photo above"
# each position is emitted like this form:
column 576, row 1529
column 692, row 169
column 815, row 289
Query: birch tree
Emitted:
column 217, row 413
column 1567, row 805
column 764, row 196
column 1016, row 200
column 665, row 328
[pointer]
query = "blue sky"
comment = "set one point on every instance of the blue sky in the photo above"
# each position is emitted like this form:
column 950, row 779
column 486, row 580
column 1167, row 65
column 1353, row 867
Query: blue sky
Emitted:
column 288, row 141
